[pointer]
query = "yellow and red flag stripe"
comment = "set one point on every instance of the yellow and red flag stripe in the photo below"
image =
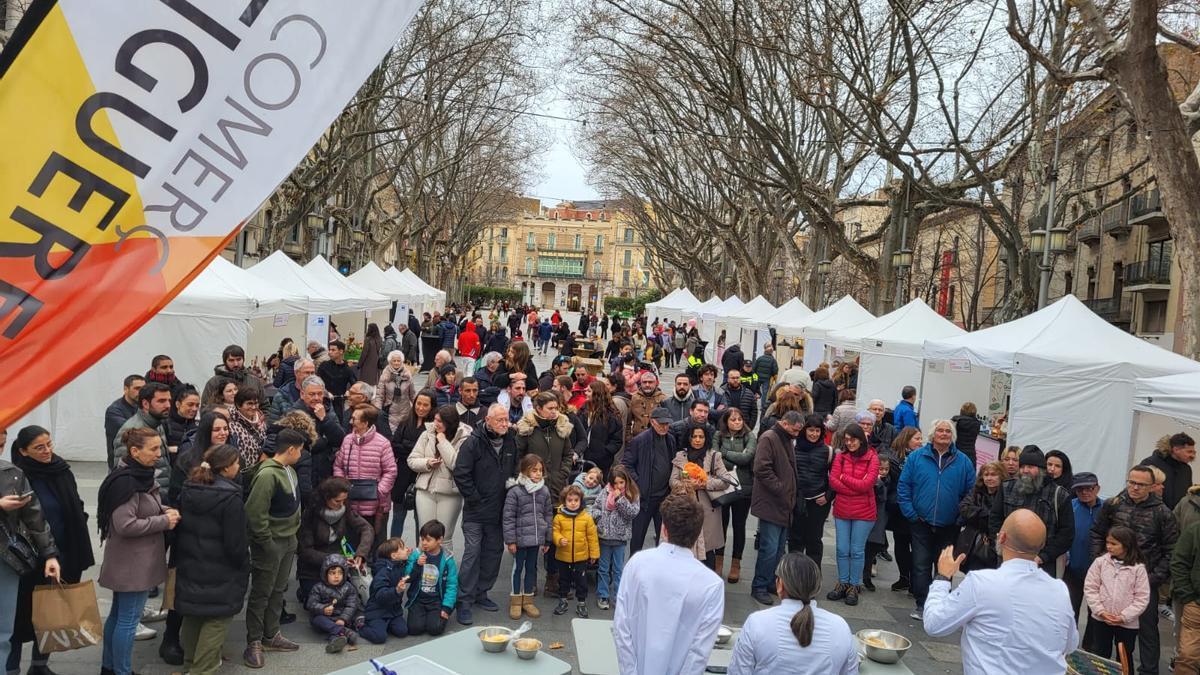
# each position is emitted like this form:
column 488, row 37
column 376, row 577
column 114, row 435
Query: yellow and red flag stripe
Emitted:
column 135, row 137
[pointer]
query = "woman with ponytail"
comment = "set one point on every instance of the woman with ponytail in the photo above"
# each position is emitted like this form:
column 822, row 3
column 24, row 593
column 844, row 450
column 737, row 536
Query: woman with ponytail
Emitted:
column 212, row 563
column 795, row 637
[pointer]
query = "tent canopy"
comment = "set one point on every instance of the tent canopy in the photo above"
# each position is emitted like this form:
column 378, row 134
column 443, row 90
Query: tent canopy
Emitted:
column 755, row 309
column 373, row 277
column 1176, row 396
column 722, row 309
column 841, row 314
column 792, row 309
column 320, row 268
column 439, row 295
column 228, row 291
column 280, row 269
column 901, row 331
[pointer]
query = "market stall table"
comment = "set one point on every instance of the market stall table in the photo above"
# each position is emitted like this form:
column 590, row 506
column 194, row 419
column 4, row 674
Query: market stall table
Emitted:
column 462, row 653
column 598, row 653
column 594, row 366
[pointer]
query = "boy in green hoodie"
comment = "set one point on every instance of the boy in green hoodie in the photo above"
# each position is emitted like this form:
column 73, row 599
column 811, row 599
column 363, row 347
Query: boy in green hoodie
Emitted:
column 272, row 519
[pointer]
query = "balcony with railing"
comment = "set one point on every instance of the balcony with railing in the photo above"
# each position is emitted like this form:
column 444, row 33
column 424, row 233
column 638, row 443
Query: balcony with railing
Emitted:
column 1146, row 208
column 1114, row 221
column 1089, row 232
column 1113, row 310
column 1148, row 275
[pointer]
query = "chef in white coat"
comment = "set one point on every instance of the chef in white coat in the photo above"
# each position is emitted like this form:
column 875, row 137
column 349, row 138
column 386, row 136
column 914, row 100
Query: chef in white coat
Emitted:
column 669, row 605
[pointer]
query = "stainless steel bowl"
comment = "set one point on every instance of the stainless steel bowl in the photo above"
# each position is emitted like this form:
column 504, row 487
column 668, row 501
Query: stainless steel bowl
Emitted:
column 527, row 648
column 724, row 633
column 884, row 646
column 495, row 646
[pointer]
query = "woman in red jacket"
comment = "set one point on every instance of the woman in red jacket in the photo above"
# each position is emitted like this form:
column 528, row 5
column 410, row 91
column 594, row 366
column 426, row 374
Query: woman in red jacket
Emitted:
column 468, row 348
column 852, row 478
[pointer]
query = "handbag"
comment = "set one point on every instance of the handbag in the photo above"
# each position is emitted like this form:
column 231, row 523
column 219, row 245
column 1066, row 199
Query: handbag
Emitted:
column 19, row 552
column 65, row 617
column 361, row 489
column 728, row 494
column 410, row 497
column 974, row 544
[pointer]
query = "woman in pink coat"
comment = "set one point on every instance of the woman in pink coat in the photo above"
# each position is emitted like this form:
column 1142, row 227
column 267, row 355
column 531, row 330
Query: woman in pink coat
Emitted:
column 365, row 454
column 852, row 478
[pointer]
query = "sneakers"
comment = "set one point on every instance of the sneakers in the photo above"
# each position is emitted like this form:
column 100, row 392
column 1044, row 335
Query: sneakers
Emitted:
column 464, row 615
column 762, row 598
column 838, row 592
column 485, row 603
column 885, row 555
column 562, row 607
column 150, row 615
column 581, row 610
column 336, row 644
column 602, row 603
column 917, row 614
column 280, row 644
column 902, row 584
column 253, row 656
column 1166, row 612
column 144, row 632
column 851, row 595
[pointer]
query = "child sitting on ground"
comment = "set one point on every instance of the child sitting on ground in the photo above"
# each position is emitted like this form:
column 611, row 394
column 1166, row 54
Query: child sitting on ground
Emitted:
column 333, row 603
column 614, row 510
column 435, row 582
column 576, row 544
column 528, row 515
column 385, row 610
column 590, row 481
column 1117, row 590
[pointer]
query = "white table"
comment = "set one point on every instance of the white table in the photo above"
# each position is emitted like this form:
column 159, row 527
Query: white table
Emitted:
column 598, row 653
column 462, row 653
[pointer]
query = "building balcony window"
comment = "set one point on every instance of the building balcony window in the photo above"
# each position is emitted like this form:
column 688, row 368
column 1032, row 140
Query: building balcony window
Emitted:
column 1148, row 274
column 1113, row 310
column 1114, row 221
column 1146, row 208
column 1089, row 232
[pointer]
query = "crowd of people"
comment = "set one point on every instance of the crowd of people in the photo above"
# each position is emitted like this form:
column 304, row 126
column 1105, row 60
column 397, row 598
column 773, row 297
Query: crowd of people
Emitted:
column 301, row 472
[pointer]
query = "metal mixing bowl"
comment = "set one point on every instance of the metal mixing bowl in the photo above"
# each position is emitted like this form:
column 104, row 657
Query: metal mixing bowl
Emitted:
column 495, row 646
column 893, row 649
column 723, row 634
column 527, row 648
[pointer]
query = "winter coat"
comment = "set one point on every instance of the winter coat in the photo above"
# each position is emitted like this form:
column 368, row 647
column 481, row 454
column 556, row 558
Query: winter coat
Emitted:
column 640, row 407
column 286, row 373
column 1052, row 504
column 440, row 479
column 650, row 463
column 273, row 504
column 1187, row 511
column 738, row 452
column 495, row 341
column 602, row 440
column 904, row 415
column 211, row 552
column 1178, row 474
column 31, row 522
column 1185, row 566
column 852, row 479
column 115, row 415
column 930, row 489
column 766, row 367
column 329, row 439
column 966, row 431
column 552, row 443
column 719, row 479
column 527, row 516
column 177, row 428
column 975, row 510
column 368, row 456
column 285, row 399
column 481, row 473
column 385, row 603
column 468, row 342
column 679, row 409
column 394, row 395
column 343, row 597
column 774, row 496
column 842, row 417
column 317, row 539
column 742, row 398
column 1152, row 522
column 135, row 553
column 1116, row 588
column 143, row 420
column 824, row 395
column 580, row 532
column 615, row 525
column 732, row 359
column 248, row 436
column 447, row 579
column 878, row 534
column 812, row 469
column 410, row 346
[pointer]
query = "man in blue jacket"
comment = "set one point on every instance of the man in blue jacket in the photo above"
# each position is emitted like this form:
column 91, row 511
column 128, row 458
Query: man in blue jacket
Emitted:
column 905, row 413
column 935, row 478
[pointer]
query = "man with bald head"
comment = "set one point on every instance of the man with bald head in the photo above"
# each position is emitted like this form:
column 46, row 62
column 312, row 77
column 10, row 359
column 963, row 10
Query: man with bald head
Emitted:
column 1014, row 619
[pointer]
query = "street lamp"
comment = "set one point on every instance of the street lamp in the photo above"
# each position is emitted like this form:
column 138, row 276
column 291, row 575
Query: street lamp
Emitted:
column 777, row 274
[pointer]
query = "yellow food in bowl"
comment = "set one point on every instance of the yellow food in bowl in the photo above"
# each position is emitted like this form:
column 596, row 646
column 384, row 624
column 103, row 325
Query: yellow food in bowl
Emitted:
column 495, row 638
column 527, row 643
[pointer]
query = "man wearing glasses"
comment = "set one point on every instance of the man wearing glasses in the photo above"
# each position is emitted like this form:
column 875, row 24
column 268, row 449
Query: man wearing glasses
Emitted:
column 1157, row 530
column 1085, row 506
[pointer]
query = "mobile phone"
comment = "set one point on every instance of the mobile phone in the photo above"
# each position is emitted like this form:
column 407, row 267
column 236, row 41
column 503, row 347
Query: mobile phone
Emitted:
column 716, row 669
column 26, row 495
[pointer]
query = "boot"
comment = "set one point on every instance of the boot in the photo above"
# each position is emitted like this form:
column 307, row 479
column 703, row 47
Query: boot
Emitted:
column 720, row 565
column 515, row 603
column 735, row 571
column 551, row 590
column 531, row 609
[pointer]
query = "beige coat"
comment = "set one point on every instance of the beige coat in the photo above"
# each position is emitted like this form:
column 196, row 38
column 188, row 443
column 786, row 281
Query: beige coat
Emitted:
column 719, row 478
column 135, row 556
column 394, row 395
column 440, row 479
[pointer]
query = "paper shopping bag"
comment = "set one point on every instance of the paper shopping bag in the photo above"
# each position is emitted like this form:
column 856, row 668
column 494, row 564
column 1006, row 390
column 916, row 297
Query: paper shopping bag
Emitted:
column 169, row 590
column 65, row 617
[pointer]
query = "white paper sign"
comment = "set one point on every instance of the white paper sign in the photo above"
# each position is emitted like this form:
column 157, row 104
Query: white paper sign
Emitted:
column 318, row 328
column 281, row 320
column 959, row 365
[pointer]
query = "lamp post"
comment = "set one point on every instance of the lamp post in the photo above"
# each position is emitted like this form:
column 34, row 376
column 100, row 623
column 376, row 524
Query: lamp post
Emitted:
column 1046, row 267
column 902, row 260
column 824, row 267
column 777, row 274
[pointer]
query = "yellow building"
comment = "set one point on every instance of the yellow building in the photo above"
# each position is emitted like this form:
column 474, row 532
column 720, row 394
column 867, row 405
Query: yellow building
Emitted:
column 564, row 257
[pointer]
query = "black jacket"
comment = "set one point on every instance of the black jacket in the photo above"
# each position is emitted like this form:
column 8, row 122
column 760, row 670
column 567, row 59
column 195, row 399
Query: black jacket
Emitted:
column 743, row 398
column 812, row 467
column 114, row 416
column 313, row 544
column 1152, row 522
column 966, row 431
column 329, row 440
column 824, row 395
column 178, row 428
column 481, row 473
column 212, row 560
column 732, row 359
column 1052, row 504
column 600, row 442
column 337, row 377
column 651, row 470
column 1178, row 476
column 410, row 346
column 495, row 342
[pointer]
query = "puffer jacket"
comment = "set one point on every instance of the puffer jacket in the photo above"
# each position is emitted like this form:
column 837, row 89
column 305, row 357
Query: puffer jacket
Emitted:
column 1116, row 588
column 738, row 453
column 550, row 442
column 211, row 551
column 824, row 395
column 742, row 398
column 385, row 602
column 580, row 532
column 852, row 478
column 1152, row 522
column 317, row 539
column 813, row 462
column 640, row 407
column 1185, row 566
column 29, row 519
column 439, row 480
column 481, row 472
column 368, row 456
column 394, row 395
column 930, row 488
column 527, row 516
column 343, row 597
column 614, row 525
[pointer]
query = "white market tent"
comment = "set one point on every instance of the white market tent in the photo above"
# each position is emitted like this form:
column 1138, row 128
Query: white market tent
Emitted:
column 709, row 319
column 696, row 313
column 282, row 270
column 429, row 300
column 405, row 296
column 890, row 349
column 1163, row 406
column 1073, row 377
column 672, row 307
column 737, row 323
column 351, row 322
column 813, row 328
column 223, row 305
column 793, row 310
column 439, row 296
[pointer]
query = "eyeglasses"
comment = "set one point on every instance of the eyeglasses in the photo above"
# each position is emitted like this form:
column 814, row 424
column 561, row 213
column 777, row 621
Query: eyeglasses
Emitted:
column 1135, row 484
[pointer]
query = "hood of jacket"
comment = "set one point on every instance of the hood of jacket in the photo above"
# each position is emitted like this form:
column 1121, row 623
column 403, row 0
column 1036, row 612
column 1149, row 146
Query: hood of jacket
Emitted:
column 206, row 498
column 335, row 560
column 526, row 425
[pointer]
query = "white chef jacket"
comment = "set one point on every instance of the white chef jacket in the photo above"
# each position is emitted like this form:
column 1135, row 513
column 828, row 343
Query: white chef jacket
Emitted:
column 767, row 644
column 669, row 607
column 1016, row 619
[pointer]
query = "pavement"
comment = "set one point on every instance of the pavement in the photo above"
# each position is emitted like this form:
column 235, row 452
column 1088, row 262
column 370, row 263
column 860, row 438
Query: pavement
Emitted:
column 882, row 609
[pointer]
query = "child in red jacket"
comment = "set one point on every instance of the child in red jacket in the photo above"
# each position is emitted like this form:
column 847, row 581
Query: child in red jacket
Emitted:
column 852, row 478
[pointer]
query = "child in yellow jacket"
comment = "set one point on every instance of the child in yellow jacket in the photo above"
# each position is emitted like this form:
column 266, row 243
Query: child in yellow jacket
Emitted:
column 575, row 545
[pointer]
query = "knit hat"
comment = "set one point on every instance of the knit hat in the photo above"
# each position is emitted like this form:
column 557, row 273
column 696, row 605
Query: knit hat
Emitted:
column 1032, row 455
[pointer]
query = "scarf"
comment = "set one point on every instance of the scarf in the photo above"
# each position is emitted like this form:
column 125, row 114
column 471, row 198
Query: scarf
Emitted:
column 568, row 512
column 803, row 444
column 75, row 546
column 696, row 456
column 171, row 380
column 529, row 484
column 331, row 518
column 544, row 423
column 127, row 479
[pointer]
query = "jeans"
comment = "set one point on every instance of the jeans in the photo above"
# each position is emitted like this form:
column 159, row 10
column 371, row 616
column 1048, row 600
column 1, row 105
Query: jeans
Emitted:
column 398, row 514
column 612, row 561
column 327, row 625
column 807, row 530
column 119, row 629
column 376, row 631
column 1148, row 648
column 737, row 512
column 524, row 574
column 851, row 548
column 9, row 589
column 483, row 547
column 641, row 523
column 772, row 540
column 927, row 544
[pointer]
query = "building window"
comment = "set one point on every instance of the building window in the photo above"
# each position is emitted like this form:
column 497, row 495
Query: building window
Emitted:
column 645, row 277
column 530, row 242
column 1154, row 316
column 504, row 233
column 529, row 266
column 551, row 240
column 646, row 257
column 560, row 267
column 597, row 269
column 628, row 257
column 504, row 253
column 294, row 235
column 578, row 242
column 625, row 277
column 629, row 235
column 504, row 273
column 599, row 243
column 589, row 215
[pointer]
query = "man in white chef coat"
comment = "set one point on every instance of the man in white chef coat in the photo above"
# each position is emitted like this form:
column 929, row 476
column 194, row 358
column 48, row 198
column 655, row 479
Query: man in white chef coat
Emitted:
column 669, row 605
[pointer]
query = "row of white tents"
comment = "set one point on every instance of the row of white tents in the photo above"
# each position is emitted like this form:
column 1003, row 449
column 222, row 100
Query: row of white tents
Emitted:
column 1068, row 379
column 225, row 304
